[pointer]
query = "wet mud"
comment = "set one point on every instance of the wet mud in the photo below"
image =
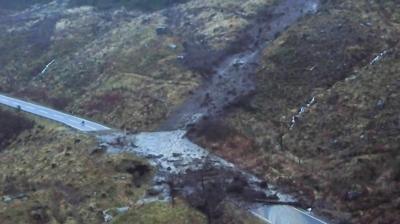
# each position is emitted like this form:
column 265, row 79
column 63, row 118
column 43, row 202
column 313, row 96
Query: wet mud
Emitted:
column 231, row 79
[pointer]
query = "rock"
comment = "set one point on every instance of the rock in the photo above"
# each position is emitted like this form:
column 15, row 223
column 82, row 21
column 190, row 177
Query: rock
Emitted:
column 253, row 195
column 162, row 30
column 237, row 185
column 380, row 105
column 96, row 151
column 158, row 180
column 21, row 196
column 152, row 156
column 133, row 167
column 146, row 20
column 39, row 215
column 154, row 191
column 107, row 217
column 92, row 206
column 273, row 197
column 172, row 46
column 103, row 195
column 176, row 154
column 352, row 195
column 263, row 184
column 100, row 149
column 397, row 203
column 122, row 210
column 7, row 198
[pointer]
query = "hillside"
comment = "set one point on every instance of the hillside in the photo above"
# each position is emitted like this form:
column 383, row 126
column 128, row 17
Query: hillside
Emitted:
column 111, row 65
column 11, row 125
column 325, row 113
column 304, row 94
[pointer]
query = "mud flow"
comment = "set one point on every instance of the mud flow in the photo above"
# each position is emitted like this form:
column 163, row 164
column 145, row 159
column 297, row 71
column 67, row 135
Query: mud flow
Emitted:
column 189, row 171
column 232, row 79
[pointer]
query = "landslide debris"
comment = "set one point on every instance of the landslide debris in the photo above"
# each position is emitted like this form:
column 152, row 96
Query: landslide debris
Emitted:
column 49, row 175
column 114, row 65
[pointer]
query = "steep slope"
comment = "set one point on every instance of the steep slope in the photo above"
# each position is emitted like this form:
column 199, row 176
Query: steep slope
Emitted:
column 323, row 122
column 324, row 118
column 118, row 66
column 52, row 175
column 11, row 125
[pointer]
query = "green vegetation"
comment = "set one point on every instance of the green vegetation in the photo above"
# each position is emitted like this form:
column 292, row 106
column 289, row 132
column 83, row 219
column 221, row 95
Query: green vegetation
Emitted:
column 52, row 175
column 113, row 67
column 162, row 213
column 342, row 150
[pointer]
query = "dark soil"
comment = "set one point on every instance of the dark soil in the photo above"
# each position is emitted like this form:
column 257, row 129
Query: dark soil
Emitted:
column 234, row 66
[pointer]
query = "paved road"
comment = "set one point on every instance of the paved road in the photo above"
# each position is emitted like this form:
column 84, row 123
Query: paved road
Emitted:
column 283, row 214
column 69, row 120
column 276, row 214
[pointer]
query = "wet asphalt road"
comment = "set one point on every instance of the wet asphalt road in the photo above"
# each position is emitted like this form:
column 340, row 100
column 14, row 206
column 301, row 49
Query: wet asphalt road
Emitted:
column 67, row 119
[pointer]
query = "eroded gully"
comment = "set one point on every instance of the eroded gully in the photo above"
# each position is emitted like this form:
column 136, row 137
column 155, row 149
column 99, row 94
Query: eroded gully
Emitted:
column 183, row 165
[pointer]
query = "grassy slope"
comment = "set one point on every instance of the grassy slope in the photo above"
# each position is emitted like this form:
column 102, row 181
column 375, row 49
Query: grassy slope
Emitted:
column 55, row 175
column 349, row 142
column 162, row 213
column 57, row 179
column 324, row 155
column 310, row 59
column 99, row 56
column 111, row 65
column 61, row 180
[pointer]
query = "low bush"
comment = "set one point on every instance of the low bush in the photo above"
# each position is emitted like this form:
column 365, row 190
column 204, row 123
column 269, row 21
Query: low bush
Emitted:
column 11, row 125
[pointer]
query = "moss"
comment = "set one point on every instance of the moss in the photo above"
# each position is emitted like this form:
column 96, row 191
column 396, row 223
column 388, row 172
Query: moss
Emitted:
column 178, row 213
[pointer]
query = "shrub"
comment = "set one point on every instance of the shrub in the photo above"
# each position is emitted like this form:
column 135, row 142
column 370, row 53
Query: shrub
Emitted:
column 396, row 169
column 11, row 125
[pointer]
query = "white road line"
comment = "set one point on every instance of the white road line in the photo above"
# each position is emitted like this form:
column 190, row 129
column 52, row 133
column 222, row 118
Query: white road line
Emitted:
column 91, row 128
column 261, row 217
column 57, row 116
column 319, row 220
column 72, row 120
column 29, row 107
column 66, row 119
column 43, row 111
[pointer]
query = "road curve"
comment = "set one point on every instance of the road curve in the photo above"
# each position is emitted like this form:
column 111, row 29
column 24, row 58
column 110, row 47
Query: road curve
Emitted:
column 284, row 214
column 276, row 214
column 67, row 119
